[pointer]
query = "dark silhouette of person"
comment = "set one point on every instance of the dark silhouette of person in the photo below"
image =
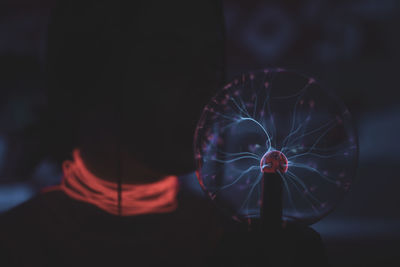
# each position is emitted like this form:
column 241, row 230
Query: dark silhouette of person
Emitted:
column 127, row 83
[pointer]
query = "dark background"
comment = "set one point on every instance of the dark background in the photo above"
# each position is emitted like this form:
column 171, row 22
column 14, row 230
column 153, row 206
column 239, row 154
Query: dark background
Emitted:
column 351, row 47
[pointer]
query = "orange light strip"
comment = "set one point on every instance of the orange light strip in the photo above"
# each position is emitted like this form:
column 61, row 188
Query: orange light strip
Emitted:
column 80, row 184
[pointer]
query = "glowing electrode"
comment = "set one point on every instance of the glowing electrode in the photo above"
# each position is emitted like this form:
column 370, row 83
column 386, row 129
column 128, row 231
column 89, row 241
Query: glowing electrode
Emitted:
column 273, row 162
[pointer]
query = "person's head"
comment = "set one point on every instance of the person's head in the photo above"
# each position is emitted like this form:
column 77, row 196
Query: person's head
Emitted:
column 128, row 81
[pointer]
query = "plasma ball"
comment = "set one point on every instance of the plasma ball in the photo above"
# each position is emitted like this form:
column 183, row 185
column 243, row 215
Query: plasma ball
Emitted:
column 275, row 121
column 273, row 162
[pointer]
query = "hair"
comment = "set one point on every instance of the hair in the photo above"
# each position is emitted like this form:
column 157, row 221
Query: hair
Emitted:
column 136, row 72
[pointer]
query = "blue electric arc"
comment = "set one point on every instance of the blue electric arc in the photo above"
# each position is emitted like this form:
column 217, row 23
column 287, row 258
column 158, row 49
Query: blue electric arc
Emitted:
column 276, row 121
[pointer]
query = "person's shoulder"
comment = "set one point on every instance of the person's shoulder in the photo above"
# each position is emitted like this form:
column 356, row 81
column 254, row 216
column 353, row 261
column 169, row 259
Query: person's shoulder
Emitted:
column 31, row 210
column 24, row 228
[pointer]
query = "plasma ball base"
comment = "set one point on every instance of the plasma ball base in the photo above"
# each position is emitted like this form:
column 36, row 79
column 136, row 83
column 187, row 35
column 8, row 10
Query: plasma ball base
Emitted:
column 274, row 162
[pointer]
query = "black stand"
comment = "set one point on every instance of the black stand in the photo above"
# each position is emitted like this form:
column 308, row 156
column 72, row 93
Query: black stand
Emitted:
column 270, row 227
column 271, row 205
column 267, row 243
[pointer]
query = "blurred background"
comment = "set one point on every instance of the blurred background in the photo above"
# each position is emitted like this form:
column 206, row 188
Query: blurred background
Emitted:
column 350, row 47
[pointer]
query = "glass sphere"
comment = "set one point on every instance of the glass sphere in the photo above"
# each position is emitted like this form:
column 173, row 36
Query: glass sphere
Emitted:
column 276, row 121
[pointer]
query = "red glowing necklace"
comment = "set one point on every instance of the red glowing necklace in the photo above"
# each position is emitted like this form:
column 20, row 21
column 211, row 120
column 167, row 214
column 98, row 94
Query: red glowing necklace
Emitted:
column 80, row 184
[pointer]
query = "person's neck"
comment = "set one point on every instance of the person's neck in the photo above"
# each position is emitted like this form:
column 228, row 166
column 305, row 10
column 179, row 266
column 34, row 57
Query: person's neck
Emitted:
column 112, row 165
